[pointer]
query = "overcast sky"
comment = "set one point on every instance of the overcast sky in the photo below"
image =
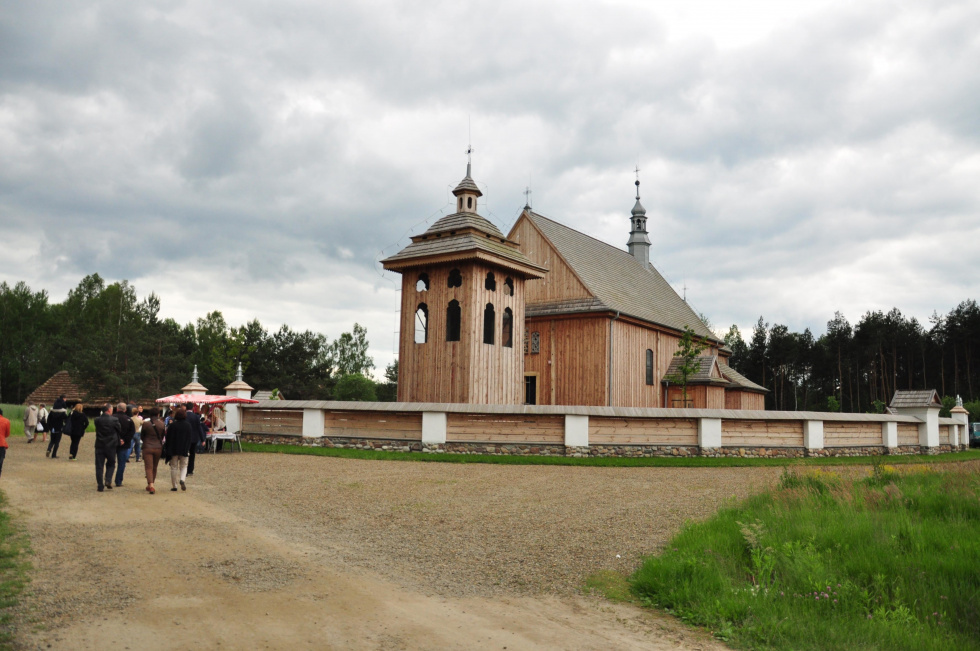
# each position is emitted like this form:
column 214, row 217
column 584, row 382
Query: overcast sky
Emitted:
column 260, row 158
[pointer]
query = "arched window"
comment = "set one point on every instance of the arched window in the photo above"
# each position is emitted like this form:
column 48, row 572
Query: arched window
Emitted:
column 422, row 323
column 455, row 278
column 509, row 286
column 507, row 329
column 488, row 319
column 469, row 203
column 453, row 319
column 649, row 367
column 491, row 282
column 423, row 284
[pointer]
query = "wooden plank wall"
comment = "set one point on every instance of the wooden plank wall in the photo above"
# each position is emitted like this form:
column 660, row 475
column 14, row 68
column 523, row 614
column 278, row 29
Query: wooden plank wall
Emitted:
column 576, row 349
column 505, row 429
column 272, row 421
column 642, row 431
column 560, row 282
column 908, row 434
column 762, row 433
column 837, row 435
column 467, row 370
column 380, row 424
column 630, row 343
column 944, row 435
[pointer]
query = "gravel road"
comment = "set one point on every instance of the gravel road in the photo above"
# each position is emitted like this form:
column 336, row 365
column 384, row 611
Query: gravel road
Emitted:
column 281, row 551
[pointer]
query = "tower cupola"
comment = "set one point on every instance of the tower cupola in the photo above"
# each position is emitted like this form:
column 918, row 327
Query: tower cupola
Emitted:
column 467, row 192
column 639, row 242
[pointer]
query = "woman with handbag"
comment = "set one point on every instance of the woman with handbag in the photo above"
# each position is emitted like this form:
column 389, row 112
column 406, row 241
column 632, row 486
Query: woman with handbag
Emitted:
column 77, row 424
column 42, row 423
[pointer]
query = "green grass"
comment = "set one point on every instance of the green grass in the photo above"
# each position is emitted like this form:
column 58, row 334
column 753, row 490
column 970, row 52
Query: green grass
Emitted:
column 616, row 462
column 13, row 572
column 887, row 562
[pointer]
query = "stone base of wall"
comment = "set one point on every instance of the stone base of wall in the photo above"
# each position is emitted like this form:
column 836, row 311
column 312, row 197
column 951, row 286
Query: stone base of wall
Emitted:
column 547, row 449
column 642, row 451
column 863, row 451
column 517, row 449
column 759, row 453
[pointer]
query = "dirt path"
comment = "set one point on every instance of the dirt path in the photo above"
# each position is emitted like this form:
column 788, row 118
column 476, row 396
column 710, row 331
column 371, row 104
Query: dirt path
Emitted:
column 284, row 552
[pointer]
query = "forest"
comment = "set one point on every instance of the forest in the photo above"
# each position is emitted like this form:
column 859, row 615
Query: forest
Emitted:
column 117, row 345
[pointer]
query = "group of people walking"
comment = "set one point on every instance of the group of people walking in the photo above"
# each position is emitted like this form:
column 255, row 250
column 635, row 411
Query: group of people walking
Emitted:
column 38, row 422
column 120, row 431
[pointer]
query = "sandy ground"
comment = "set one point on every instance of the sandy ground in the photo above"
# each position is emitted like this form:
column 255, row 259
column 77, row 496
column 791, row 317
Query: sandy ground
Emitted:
column 286, row 552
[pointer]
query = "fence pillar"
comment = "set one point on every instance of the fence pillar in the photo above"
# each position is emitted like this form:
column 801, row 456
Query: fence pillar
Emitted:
column 961, row 416
column 709, row 433
column 576, row 431
column 313, row 423
column 889, row 434
column 813, row 434
column 233, row 413
column 433, row 428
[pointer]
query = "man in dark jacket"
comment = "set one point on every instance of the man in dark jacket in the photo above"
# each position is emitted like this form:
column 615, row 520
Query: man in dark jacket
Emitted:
column 200, row 434
column 108, row 437
column 126, row 445
column 56, row 425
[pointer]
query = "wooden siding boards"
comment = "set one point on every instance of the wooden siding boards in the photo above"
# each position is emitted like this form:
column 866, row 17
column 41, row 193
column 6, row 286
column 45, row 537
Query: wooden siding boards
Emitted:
column 839, row 435
column 505, row 429
column 630, row 343
column 561, row 283
column 573, row 364
column 908, row 434
column 944, row 436
column 762, row 433
column 273, row 421
column 467, row 370
column 354, row 424
column 643, row 431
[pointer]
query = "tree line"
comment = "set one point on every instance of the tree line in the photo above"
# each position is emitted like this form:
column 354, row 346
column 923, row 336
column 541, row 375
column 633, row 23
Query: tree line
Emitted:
column 857, row 368
column 117, row 346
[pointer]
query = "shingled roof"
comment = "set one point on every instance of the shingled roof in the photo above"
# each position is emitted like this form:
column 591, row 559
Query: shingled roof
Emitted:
column 705, row 373
column 461, row 236
column 58, row 384
column 617, row 280
column 913, row 399
column 739, row 380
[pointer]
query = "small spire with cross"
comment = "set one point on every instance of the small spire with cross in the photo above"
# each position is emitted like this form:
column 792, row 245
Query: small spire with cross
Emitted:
column 637, row 170
column 527, row 198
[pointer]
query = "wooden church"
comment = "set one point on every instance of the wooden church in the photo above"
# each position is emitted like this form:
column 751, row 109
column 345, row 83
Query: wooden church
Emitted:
column 547, row 315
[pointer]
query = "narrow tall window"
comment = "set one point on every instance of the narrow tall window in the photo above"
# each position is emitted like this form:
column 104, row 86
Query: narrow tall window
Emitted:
column 491, row 282
column 535, row 343
column 488, row 319
column 423, row 284
column 507, row 329
column 453, row 319
column 469, row 203
column 422, row 324
column 649, row 367
column 509, row 286
column 455, row 278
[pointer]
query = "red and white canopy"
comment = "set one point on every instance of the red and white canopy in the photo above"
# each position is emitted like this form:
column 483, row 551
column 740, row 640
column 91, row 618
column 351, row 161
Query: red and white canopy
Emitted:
column 199, row 399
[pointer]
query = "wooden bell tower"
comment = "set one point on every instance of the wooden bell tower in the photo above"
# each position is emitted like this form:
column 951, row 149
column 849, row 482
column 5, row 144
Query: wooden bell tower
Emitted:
column 462, row 312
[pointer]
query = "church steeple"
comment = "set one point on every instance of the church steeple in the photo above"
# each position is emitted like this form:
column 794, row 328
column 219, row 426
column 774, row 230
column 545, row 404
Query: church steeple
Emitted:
column 639, row 242
column 467, row 192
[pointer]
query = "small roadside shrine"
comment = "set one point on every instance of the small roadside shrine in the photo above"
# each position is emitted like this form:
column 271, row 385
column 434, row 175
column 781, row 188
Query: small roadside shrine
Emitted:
column 212, row 408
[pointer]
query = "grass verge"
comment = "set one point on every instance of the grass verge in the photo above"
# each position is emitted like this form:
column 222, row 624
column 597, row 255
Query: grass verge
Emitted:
column 14, row 571
column 686, row 462
column 891, row 561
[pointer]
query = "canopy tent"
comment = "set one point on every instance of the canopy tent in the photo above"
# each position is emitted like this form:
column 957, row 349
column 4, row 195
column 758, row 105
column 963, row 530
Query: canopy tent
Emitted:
column 198, row 399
